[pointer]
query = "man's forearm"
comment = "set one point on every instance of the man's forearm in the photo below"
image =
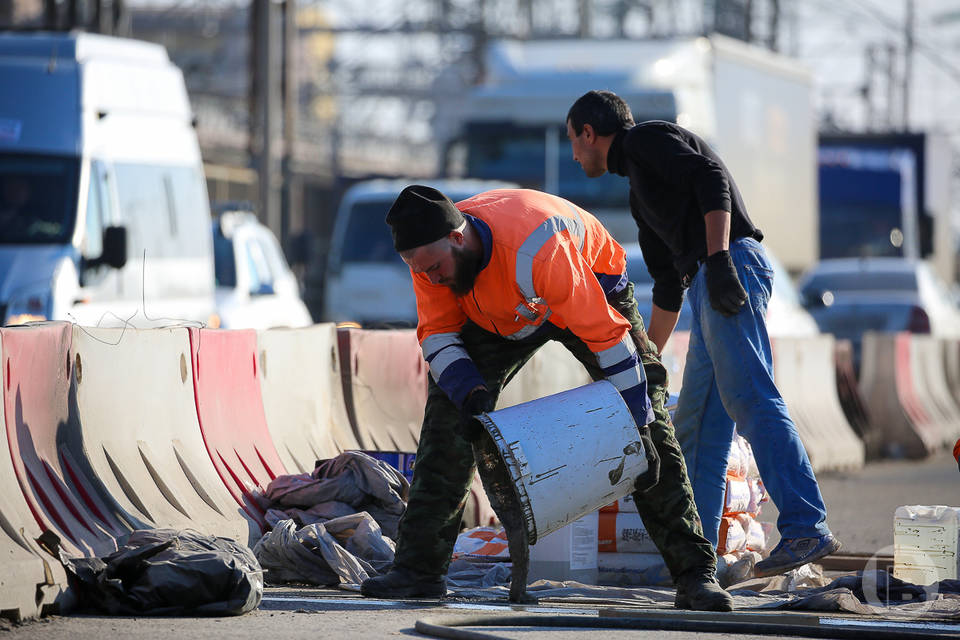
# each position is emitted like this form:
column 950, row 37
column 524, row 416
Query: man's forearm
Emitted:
column 662, row 323
column 718, row 231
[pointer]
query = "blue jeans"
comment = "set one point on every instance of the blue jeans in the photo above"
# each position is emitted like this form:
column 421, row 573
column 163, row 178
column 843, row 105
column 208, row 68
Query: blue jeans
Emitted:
column 728, row 381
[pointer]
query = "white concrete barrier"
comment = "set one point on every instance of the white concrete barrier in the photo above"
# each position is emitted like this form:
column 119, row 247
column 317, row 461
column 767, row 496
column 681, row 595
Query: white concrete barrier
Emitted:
column 805, row 374
column 899, row 407
column 303, row 395
column 44, row 435
column 927, row 362
column 140, row 432
column 385, row 387
column 951, row 362
column 551, row 370
column 32, row 582
column 674, row 357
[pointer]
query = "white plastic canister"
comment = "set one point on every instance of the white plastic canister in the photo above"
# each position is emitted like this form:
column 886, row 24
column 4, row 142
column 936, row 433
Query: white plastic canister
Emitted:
column 568, row 454
column 926, row 543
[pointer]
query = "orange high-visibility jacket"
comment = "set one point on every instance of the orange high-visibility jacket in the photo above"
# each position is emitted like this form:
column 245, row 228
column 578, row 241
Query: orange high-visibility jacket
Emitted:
column 547, row 257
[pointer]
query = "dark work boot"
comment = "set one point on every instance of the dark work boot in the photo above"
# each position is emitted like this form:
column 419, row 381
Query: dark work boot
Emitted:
column 401, row 582
column 697, row 589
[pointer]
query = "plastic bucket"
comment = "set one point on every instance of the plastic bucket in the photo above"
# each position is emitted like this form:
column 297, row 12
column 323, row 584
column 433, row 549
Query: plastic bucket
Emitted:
column 567, row 454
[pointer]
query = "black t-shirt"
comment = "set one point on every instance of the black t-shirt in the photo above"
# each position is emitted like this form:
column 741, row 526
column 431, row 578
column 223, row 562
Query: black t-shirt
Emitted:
column 675, row 179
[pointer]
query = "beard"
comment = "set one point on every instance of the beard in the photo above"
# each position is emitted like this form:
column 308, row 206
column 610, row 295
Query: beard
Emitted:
column 466, row 269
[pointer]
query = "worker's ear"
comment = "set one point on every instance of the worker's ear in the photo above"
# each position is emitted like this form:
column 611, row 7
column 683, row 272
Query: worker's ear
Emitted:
column 456, row 237
column 589, row 134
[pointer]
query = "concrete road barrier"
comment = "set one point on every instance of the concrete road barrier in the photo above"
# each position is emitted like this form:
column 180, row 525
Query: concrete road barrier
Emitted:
column 230, row 410
column 854, row 408
column 43, row 432
column 303, row 395
column 32, row 582
column 141, row 435
column 805, row 374
column 385, row 387
column 926, row 353
column 898, row 405
column 674, row 356
column 951, row 363
column 551, row 370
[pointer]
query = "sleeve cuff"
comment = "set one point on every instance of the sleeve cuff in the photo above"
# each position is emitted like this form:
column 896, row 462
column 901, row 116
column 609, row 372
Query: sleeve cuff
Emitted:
column 459, row 378
column 668, row 298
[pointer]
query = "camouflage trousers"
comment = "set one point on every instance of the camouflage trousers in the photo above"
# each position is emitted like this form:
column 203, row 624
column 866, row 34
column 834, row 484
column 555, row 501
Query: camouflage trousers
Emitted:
column 445, row 464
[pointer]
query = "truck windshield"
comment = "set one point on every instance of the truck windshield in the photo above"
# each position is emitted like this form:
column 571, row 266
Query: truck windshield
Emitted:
column 518, row 154
column 38, row 196
column 367, row 237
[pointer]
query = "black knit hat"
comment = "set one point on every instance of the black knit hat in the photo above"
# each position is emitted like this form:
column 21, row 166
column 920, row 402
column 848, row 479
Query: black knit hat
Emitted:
column 420, row 215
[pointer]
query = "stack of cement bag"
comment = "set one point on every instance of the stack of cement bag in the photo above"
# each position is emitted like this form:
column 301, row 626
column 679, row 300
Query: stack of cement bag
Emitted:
column 742, row 537
column 334, row 525
column 628, row 556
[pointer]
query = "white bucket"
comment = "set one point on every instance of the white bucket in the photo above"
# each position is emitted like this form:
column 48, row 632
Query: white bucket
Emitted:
column 567, row 454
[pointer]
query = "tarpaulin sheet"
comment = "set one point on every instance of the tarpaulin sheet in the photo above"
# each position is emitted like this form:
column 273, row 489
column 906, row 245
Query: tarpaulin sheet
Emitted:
column 169, row 572
column 350, row 483
column 874, row 593
column 348, row 549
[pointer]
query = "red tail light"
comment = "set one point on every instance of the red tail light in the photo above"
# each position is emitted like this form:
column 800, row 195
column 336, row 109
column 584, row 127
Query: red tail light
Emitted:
column 919, row 321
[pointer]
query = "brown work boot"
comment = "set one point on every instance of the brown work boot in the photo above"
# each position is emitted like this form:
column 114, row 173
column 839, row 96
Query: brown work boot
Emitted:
column 401, row 582
column 697, row 589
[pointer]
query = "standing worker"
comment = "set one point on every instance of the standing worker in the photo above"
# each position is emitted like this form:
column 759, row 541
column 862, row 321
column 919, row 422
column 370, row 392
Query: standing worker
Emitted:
column 497, row 276
column 695, row 233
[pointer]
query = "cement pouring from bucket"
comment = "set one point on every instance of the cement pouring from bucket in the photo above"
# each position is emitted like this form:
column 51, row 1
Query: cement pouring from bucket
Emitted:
column 548, row 462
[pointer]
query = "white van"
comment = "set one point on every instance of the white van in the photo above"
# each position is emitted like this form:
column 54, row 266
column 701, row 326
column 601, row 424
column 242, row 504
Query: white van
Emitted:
column 104, row 216
column 365, row 281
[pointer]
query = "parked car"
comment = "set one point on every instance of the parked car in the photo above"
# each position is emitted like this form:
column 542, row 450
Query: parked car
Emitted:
column 255, row 287
column 849, row 296
column 785, row 315
column 365, row 281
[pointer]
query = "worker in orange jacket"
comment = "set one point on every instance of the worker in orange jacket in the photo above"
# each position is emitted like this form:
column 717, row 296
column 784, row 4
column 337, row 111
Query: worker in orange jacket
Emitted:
column 497, row 276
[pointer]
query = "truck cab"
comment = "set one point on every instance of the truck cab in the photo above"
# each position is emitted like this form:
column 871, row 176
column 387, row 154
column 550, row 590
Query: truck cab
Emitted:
column 754, row 107
column 104, row 218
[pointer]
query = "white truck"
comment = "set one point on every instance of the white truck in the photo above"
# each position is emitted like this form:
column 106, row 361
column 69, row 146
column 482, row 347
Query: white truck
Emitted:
column 104, row 217
column 754, row 107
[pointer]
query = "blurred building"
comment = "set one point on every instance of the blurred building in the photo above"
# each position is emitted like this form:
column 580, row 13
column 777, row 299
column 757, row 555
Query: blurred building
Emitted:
column 378, row 87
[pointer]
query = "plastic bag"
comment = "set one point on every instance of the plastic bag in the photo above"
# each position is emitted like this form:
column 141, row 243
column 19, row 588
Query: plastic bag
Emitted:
column 159, row 572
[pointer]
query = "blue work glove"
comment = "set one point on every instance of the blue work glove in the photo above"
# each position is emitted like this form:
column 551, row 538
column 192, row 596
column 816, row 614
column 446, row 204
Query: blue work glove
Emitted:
column 649, row 479
column 723, row 285
column 479, row 401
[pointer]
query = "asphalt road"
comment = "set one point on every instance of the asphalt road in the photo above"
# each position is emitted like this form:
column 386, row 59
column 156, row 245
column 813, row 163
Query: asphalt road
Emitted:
column 861, row 505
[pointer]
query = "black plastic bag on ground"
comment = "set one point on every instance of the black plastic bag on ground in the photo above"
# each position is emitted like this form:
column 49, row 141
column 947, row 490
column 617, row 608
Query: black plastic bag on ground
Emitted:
column 169, row 572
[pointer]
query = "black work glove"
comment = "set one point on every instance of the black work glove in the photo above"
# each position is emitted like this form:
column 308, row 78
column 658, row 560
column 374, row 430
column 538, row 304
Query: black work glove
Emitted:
column 649, row 479
column 723, row 285
column 479, row 401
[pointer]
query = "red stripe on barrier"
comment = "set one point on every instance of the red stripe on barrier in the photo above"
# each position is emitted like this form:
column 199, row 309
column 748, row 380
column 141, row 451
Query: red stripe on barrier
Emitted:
column 51, row 509
column 78, row 483
column 230, row 412
column 904, row 376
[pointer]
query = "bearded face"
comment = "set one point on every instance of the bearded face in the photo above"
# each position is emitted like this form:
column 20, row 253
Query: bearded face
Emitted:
column 466, row 268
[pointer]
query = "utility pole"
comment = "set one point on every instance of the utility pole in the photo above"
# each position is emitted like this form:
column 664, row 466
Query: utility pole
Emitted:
column 292, row 210
column 866, row 91
column 583, row 7
column 907, row 62
column 266, row 109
